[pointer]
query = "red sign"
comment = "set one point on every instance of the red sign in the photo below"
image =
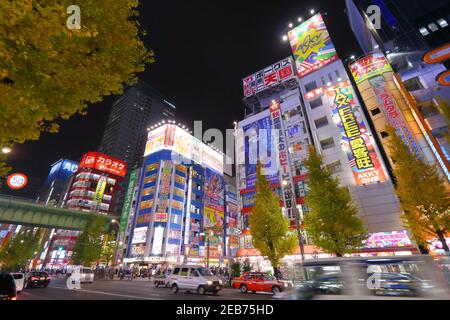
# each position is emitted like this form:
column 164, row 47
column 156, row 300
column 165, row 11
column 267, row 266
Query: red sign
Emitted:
column 17, row 181
column 103, row 163
column 311, row 95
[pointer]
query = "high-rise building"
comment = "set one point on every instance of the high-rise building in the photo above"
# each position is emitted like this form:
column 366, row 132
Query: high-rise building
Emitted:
column 409, row 33
column 289, row 107
column 125, row 134
column 179, row 214
column 92, row 189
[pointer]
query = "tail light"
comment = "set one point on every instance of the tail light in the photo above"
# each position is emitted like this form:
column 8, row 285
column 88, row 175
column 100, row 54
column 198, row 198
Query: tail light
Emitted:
column 34, row 278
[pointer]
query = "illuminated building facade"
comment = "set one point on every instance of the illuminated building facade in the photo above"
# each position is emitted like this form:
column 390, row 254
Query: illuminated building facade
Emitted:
column 180, row 211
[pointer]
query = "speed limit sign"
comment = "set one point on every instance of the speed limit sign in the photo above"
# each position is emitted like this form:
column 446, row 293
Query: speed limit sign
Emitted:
column 17, row 180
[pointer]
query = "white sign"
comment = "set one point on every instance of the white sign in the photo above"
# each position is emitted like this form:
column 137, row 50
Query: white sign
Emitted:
column 139, row 235
column 158, row 240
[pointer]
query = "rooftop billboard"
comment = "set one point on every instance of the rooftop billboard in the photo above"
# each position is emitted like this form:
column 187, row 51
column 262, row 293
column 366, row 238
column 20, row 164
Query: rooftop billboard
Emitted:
column 103, row 162
column 311, row 45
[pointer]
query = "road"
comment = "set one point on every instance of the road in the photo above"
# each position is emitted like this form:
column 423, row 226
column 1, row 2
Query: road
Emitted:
column 127, row 290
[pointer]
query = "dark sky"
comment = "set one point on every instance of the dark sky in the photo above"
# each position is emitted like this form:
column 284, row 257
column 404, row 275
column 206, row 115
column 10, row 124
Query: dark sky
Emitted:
column 203, row 50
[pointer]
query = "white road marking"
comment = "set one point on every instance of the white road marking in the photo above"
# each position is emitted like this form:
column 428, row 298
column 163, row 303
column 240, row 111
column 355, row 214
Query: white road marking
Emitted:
column 109, row 293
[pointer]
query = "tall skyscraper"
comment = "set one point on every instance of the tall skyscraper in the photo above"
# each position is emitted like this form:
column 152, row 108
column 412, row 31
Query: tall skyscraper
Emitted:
column 126, row 130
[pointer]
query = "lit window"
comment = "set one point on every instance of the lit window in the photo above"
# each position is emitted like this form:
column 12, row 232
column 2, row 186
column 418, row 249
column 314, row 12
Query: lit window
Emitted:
column 433, row 27
column 424, row 31
column 442, row 23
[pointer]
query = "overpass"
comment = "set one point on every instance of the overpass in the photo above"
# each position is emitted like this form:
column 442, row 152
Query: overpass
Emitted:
column 23, row 211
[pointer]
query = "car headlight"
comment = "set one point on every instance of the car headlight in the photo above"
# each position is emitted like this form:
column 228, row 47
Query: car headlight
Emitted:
column 286, row 285
column 220, row 281
column 209, row 283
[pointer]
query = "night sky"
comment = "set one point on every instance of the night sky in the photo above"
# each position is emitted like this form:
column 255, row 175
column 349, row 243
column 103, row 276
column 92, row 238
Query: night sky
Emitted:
column 203, row 50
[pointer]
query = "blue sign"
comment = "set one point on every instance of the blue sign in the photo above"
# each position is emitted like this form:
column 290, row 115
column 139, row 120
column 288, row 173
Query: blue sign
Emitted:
column 63, row 169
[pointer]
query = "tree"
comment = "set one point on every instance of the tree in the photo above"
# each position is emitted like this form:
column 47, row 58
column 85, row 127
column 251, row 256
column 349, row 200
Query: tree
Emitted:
column 235, row 270
column 18, row 249
column 422, row 193
column 88, row 247
column 268, row 227
column 332, row 223
column 49, row 72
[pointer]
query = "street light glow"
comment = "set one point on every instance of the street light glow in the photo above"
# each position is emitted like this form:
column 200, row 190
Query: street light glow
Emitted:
column 352, row 57
column 6, row 150
column 285, row 37
column 300, row 19
column 290, row 25
column 312, row 11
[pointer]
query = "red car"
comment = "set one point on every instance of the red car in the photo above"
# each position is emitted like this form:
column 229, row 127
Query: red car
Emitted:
column 259, row 281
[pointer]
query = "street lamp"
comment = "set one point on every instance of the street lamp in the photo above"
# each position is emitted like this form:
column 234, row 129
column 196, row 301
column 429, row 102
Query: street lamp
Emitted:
column 6, row 150
column 285, row 37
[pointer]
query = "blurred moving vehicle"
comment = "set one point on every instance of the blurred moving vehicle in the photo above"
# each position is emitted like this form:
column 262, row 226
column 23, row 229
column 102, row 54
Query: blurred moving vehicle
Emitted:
column 368, row 278
column 37, row 278
column 259, row 281
column 7, row 287
column 19, row 279
column 187, row 277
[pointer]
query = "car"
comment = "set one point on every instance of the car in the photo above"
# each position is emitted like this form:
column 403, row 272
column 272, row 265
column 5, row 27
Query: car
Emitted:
column 259, row 281
column 37, row 278
column 126, row 274
column 19, row 279
column 368, row 278
column 7, row 287
column 192, row 277
column 87, row 275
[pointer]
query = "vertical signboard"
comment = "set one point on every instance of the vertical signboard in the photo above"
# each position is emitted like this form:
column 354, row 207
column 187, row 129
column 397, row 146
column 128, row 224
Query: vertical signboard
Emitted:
column 284, row 166
column 127, row 202
column 355, row 138
column 370, row 68
column 311, row 45
column 100, row 189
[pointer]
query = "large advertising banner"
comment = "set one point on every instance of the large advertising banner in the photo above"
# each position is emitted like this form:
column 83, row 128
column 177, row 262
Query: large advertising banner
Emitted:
column 369, row 66
column 268, row 77
column 213, row 200
column 103, row 163
column 311, row 45
column 284, row 167
column 155, row 140
column 356, row 142
column 258, row 146
column 393, row 114
column 162, row 209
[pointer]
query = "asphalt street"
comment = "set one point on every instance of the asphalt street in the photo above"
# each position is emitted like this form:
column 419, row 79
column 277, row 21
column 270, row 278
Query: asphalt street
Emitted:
column 127, row 290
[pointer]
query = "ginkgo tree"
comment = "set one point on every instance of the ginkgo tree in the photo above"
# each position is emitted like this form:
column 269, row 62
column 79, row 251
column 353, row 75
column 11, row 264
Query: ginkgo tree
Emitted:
column 50, row 72
column 268, row 227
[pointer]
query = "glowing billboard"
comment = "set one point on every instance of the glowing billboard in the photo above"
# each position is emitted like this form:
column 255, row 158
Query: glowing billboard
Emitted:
column 268, row 77
column 356, row 143
column 311, row 45
column 369, row 66
column 172, row 137
column 103, row 162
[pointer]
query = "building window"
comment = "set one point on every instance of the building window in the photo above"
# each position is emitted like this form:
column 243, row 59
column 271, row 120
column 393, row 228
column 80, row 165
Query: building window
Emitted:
column 321, row 122
column 413, row 84
column 334, row 167
column 433, row 27
column 327, row 143
column 310, row 86
column 315, row 103
column 424, row 31
column 443, row 23
column 375, row 111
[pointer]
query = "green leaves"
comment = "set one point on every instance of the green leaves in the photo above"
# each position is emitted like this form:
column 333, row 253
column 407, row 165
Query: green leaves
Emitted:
column 17, row 250
column 332, row 223
column 48, row 72
column 88, row 247
column 268, row 227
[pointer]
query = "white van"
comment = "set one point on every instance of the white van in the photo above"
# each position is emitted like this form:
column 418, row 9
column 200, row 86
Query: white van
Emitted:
column 190, row 278
column 19, row 279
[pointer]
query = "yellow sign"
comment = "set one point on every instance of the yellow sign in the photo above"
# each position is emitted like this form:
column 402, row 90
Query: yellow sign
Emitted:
column 100, row 190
